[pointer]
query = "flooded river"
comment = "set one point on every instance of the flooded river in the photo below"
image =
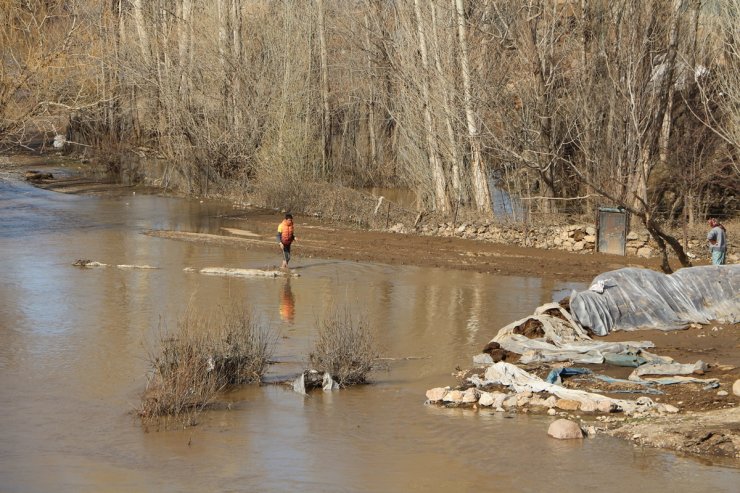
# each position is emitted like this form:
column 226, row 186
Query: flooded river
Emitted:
column 73, row 347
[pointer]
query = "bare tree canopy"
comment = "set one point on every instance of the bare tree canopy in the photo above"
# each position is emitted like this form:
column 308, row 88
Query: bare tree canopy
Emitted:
column 556, row 102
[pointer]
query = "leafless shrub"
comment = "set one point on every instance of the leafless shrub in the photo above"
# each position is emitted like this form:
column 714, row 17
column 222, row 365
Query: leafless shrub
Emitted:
column 188, row 369
column 345, row 348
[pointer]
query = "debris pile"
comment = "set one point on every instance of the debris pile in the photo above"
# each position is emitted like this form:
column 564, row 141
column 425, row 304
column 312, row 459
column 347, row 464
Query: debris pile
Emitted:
column 548, row 345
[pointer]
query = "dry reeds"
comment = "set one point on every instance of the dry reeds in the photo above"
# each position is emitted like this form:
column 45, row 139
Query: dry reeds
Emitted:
column 190, row 367
column 345, row 348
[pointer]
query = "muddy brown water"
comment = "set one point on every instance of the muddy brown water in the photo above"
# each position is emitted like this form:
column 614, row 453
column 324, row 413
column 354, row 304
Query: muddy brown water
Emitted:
column 73, row 346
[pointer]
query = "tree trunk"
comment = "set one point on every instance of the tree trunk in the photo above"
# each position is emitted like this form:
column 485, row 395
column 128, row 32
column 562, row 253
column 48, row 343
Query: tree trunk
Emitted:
column 326, row 114
column 440, row 186
column 223, row 50
column 236, row 62
column 184, row 42
column 480, row 180
column 449, row 116
column 652, row 135
column 371, row 103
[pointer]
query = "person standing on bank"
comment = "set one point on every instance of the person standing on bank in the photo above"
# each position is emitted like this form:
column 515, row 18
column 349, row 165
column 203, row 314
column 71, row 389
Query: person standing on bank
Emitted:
column 717, row 240
column 285, row 238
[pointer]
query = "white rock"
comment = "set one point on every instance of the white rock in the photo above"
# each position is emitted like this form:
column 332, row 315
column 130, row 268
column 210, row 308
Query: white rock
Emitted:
column 482, row 359
column 736, row 387
column 667, row 408
column 591, row 231
column 606, row 407
column 564, row 429
column 552, row 412
column 498, row 399
column 722, row 393
column 589, row 406
column 509, row 402
column 486, row 399
column 436, row 394
column 453, row 396
column 470, row 395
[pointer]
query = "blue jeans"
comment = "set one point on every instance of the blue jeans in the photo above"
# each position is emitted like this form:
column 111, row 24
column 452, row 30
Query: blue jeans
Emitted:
column 718, row 258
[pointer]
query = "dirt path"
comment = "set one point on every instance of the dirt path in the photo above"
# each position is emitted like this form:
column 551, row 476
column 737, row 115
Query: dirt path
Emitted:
column 326, row 240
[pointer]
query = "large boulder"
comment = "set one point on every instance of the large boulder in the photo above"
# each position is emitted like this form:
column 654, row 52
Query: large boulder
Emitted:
column 736, row 387
column 564, row 429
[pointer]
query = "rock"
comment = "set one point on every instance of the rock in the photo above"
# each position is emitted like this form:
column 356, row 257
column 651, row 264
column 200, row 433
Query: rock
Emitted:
column 589, row 406
column 453, row 396
column 632, row 236
column 538, row 402
column 486, row 399
column 736, row 387
column 483, row 359
column 470, row 395
column 552, row 412
column 645, row 252
column 564, row 429
column 509, row 402
column 498, row 399
column 436, row 394
column 578, row 246
column 667, row 408
column 607, row 407
column 722, row 393
column 589, row 239
column 567, row 404
column 591, row 231
column 522, row 400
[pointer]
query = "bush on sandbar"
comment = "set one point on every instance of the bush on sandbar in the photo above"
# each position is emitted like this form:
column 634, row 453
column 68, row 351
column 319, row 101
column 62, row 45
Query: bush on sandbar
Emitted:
column 344, row 348
column 202, row 358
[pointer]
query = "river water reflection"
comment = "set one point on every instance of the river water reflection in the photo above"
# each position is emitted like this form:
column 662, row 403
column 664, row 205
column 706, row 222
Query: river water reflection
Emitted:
column 73, row 345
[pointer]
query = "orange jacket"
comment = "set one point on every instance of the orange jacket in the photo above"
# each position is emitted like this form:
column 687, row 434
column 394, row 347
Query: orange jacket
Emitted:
column 285, row 232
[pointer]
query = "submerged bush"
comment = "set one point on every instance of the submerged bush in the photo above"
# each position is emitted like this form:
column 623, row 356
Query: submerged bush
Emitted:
column 190, row 367
column 344, row 348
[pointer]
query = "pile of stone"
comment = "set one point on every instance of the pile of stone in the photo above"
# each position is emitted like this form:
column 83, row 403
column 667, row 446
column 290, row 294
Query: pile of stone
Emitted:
column 574, row 238
column 578, row 238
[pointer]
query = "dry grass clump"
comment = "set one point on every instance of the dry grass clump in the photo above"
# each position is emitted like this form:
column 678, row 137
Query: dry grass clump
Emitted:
column 345, row 348
column 190, row 367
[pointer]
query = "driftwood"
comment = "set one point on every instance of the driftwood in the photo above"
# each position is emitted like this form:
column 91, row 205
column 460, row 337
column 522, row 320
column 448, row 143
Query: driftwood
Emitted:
column 225, row 271
column 32, row 175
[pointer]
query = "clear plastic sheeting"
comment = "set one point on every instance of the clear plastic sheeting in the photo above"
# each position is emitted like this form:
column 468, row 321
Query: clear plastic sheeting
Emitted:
column 632, row 299
column 520, row 381
column 560, row 338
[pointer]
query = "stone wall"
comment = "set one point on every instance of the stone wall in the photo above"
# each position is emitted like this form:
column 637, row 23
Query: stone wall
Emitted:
column 577, row 238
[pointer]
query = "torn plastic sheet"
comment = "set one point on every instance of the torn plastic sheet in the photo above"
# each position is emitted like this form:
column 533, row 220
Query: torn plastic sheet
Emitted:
column 299, row 384
column 635, row 298
column 328, row 383
column 667, row 369
column 563, row 340
column 679, row 379
column 556, row 374
column 521, row 381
